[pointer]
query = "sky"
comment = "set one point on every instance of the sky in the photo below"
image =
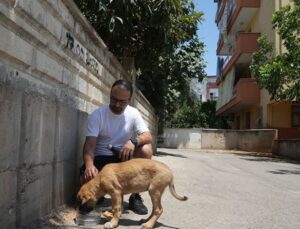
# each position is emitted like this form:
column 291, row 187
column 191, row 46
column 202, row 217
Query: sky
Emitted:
column 208, row 33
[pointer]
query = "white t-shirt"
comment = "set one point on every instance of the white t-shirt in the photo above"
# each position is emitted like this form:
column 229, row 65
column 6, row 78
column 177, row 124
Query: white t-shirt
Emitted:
column 110, row 128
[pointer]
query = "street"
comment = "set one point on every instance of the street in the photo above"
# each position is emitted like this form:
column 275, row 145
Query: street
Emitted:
column 225, row 190
column 231, row 191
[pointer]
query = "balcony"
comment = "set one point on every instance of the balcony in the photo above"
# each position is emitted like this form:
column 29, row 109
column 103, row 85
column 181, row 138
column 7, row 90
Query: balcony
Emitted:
column 220, row 10
column 245, row 93
column 233, row 16
column 242, row 14
column 246, row 44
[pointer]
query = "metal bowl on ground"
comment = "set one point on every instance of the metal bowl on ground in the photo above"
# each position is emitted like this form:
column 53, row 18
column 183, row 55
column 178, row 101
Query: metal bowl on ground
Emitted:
column 88, row 218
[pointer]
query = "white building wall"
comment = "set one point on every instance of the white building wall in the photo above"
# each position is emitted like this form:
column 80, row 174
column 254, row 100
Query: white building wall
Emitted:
column 226, row 89
column 200, row 88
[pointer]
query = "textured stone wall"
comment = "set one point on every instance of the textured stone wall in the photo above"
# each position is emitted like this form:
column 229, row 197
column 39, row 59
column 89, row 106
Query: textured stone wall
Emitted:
column 54, row 71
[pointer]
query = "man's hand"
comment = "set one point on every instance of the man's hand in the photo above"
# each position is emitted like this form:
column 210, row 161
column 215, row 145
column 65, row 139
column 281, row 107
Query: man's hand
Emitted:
column 88, row 158
column 127, row 150
column 90, row 172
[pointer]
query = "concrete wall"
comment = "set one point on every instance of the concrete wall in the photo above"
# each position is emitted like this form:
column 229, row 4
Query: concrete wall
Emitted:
column 181, row 138
column 288, row 148
column 54, row 71
column 247, row 140
column 226, row 89
column 262, row 23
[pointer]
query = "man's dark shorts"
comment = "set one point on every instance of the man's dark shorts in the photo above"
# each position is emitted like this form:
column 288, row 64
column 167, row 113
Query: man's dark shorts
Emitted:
column 101, row 161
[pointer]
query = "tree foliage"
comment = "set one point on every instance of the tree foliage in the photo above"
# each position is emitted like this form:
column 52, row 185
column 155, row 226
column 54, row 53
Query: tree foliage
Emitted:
column 196, row 115
column 161, row 37
column 139, row 28
column 167, row 85
column 280, row 74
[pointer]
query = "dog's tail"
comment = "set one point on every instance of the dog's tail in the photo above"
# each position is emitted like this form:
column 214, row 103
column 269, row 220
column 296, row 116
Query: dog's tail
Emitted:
column 172, row 190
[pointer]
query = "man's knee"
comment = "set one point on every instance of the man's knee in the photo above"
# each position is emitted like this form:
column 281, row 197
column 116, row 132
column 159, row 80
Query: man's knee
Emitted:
column 144, row 151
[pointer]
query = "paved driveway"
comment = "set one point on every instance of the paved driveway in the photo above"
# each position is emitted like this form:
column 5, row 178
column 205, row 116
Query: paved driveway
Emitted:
column 232, row 191
column 226, row 190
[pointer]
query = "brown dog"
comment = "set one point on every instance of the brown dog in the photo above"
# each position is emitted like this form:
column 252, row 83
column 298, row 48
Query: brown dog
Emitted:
column 133, row 176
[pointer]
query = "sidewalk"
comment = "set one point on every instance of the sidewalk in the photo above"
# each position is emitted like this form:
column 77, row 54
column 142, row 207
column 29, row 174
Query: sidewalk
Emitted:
column 225, row 190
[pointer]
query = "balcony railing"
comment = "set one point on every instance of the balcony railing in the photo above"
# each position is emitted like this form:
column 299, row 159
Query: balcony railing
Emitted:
column 231, row 7
column 240, row 13
column 246, row 43
column 245, row 93
column 233, row 16
column 220, row 10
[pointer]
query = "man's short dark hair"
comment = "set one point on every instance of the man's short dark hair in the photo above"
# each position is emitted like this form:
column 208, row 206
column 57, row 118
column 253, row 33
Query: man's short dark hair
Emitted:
column 125, row 84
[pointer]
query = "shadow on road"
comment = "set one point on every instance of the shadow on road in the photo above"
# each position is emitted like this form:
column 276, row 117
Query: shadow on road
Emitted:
column 273, row 158
column 265, row 158
column 158, row 224
column 284, row 172
column 163, row 154
column 129, row 222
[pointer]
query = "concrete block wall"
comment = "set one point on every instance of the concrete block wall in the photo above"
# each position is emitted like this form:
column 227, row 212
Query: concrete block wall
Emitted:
column 260, row 140
column 254, row 140
column 54, row 71
column 181, row 138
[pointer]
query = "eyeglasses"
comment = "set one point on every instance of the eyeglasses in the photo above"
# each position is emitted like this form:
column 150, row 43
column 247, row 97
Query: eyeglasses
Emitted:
column 121, row 102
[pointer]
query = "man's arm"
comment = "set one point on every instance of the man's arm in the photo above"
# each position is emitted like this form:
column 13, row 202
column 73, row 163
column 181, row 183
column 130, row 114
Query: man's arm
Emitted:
column 128, row 149
column 88, row 157
column 144, row 138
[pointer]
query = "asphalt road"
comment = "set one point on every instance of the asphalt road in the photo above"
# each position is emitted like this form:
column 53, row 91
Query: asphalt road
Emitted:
column 226, row 190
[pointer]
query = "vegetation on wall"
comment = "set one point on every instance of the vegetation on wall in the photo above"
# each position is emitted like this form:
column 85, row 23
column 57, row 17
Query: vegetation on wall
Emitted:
column 161, row 37
column 280, row 74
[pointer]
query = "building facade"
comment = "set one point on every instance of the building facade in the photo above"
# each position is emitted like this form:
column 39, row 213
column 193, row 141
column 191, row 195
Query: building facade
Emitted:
column 207, row 89
column 240, row 23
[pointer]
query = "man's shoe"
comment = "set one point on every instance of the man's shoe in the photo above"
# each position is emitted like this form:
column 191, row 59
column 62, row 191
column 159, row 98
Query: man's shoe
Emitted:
column 136, row 204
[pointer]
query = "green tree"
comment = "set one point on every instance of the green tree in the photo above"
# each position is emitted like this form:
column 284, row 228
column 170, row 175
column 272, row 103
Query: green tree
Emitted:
column 141, row 29
column 160, row 36
column 197, row 115
column 167, row 85
column 280, row 74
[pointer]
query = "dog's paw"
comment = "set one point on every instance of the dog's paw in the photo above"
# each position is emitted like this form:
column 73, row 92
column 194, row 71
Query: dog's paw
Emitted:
column 107, row 214
column 109, row 225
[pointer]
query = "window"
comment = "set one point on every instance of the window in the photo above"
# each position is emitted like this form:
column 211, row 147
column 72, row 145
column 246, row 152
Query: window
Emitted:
column 296, row 116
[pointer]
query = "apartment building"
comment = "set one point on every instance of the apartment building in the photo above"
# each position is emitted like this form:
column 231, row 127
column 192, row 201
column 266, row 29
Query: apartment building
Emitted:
column 240, row 23
column 207, row 89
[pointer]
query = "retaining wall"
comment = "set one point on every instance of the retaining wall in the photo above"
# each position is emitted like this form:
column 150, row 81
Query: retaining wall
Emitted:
column 260, row 140
column 54, row 71
column 288, row 148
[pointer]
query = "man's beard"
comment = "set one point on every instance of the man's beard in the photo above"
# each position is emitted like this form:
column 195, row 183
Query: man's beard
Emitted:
column 116, row 110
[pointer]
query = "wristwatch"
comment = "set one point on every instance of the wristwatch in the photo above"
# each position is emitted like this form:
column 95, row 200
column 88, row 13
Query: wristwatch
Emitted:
column 134, row 141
